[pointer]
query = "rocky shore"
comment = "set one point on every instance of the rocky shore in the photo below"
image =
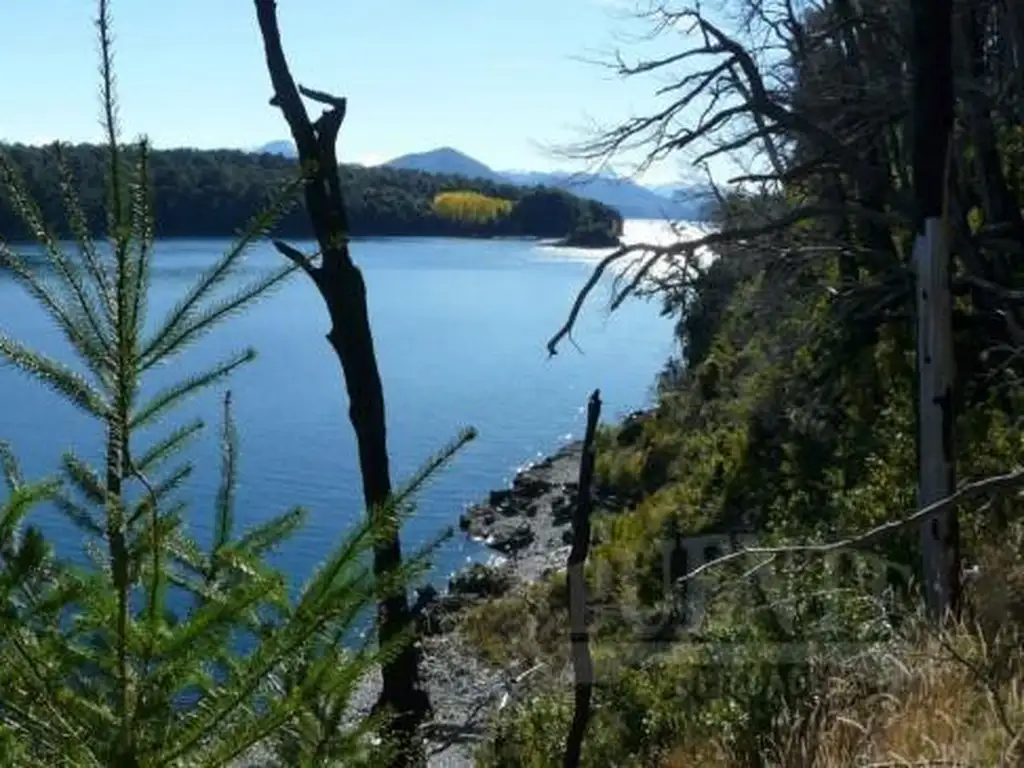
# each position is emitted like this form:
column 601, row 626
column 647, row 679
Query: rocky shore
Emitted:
column 528, row 526
column 529, row 523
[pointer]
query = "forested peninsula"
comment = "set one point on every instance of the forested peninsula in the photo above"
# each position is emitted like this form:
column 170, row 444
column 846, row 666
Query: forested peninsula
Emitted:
column 212, row 193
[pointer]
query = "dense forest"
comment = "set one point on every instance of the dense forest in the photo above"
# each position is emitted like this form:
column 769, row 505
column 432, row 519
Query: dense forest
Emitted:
column 212, row 193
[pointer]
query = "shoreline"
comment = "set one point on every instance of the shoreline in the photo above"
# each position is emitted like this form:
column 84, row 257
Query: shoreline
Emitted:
column 549, row 242
column 466, row 691
column 526, row 526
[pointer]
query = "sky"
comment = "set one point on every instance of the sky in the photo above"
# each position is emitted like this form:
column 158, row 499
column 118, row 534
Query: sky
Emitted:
column 504, row 82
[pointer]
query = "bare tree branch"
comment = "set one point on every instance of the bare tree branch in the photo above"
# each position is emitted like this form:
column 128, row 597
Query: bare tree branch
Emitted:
column 298, row 258
column 994, row 484
column 686, row 249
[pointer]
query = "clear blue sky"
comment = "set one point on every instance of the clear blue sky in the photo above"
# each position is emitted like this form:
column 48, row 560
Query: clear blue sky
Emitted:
column 494, row 79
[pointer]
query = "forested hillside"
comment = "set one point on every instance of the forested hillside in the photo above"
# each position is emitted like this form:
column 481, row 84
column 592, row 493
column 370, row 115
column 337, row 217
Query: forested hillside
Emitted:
column 212, row 193
column 789, row 420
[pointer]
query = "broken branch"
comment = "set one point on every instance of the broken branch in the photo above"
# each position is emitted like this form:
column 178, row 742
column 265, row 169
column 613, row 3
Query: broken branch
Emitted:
column 995, row 484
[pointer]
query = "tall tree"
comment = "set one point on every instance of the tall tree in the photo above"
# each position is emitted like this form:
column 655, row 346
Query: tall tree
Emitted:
column 931, row 56
column 343, row 289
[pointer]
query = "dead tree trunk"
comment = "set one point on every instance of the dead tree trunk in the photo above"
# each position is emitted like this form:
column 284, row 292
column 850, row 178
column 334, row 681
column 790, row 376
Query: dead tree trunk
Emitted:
column 341, row 284
column 931, row 56
column 579, row 641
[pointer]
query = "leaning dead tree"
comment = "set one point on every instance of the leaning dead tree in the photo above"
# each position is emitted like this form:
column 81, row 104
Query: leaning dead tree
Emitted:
column 579, row 638
column 343, row 289
column 931, row 133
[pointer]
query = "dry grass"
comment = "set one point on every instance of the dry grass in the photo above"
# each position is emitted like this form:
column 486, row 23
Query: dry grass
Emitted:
column 950, row 700
column 933, row 708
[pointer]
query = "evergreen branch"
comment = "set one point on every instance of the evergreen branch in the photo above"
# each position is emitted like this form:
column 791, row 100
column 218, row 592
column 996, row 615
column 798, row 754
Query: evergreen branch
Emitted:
column 85, row 479
column 154, row 494
column 115, row 211
column 269, row 534
column 212, row 614
column 79, row 516
column 275, row 649
column 203, row 322
column 44, row 737
column 80, row 230
column 169, row 397
column 18, row 505
column 430, row 468
column 92, row 349
column 319, row 604
column 181, row 315
column 225, row 508
column 48, row 698
column 161, row 526
column 168, row 446
column 169, row 484
column 142, row 230
column 54, row 375
column 188, row 555
column 70, row 272
column 28, row 211
column 249, row 734
column 11, row 468
column 341, row 561
column 159, row 529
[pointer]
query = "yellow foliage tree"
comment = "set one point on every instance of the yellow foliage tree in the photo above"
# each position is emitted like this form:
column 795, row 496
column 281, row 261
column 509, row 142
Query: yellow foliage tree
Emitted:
column 471, row 207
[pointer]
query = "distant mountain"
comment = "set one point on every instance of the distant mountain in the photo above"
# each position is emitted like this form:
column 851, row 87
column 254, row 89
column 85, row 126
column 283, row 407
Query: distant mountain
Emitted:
column 282, row 147
column 698, row 197
column 631, row 200
column 446, row 161
column 671, row 191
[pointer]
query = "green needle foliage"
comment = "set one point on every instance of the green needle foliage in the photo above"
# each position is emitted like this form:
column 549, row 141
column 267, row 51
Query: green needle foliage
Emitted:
column 164, row 652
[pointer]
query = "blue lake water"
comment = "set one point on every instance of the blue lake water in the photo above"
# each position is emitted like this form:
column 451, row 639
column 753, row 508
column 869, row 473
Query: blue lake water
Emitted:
column 460, row 328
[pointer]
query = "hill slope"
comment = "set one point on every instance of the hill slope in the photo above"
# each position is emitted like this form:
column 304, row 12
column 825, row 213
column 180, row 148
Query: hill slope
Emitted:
column 630, row 199
column 211, row 193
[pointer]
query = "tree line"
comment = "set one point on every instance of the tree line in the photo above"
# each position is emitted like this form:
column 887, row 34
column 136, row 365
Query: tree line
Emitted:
column 209, row 193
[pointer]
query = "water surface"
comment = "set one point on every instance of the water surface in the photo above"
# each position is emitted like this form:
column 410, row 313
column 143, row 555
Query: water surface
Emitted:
column 460, row 328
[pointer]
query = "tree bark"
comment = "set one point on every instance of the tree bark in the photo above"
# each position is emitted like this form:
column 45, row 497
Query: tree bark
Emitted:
column 579, row 641
column 341, row 284
column 932, row 66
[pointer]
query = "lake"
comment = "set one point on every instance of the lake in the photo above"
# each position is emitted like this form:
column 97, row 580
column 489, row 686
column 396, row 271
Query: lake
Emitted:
column 460, row 328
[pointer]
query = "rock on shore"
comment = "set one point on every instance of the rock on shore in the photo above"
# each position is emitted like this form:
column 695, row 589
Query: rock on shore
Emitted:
column 529, row 523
